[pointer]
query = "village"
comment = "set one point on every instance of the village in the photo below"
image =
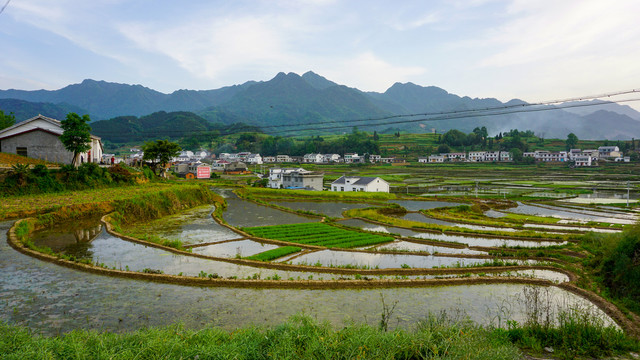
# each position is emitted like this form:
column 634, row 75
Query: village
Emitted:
column 38, row 137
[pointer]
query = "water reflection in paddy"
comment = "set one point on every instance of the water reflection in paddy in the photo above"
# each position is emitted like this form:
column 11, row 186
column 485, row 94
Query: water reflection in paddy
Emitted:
column 419, row 217
column 470, row 240
column 116, row 253
column 382, row 261
column 411, row 246
column 72, row 238
column 241, row 213
column 579, row 215
column 51, row 299
column 194, row 226
column 416, row 205
column 332, row 209
column 232, row 249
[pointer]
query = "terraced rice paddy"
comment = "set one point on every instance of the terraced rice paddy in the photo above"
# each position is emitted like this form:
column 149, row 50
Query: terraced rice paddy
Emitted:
column 317, row 234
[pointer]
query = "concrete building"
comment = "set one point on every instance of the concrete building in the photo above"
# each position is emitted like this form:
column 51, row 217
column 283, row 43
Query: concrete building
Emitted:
column 303, row 179
column 581, row 160
column 360, row 183
column 39, row 137
column 608, row 152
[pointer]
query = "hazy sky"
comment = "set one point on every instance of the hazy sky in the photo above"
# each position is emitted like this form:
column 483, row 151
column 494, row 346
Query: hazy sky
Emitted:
column 534, row 50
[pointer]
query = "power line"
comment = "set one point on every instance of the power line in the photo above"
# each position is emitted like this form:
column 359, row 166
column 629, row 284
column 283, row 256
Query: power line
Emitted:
column 436, row 116
column 453, row 115
column 5, row 6
column 502, row 107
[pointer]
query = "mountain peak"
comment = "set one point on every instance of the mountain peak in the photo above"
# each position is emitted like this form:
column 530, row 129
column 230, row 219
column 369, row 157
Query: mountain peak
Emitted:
column 317, row 81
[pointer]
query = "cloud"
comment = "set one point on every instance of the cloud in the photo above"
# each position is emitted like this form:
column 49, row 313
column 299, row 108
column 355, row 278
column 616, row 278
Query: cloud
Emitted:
column 368, row 72
column 209, row 49
column 557, row 31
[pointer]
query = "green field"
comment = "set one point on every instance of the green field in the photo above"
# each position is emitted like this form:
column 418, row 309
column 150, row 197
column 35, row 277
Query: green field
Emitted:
column 317, row 234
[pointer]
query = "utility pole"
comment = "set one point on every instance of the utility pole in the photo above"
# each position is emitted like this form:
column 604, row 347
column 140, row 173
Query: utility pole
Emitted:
column 627, row 193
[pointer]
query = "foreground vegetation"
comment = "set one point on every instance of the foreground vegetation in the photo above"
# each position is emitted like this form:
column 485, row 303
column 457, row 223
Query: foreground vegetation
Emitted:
column 301, row 337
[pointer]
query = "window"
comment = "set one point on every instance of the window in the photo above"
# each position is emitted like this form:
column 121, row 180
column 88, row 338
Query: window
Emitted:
column 22, row 151
column 341, row 188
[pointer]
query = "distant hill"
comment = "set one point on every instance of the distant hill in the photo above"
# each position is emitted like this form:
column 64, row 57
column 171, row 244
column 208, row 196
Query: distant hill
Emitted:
column 291, row 99
column 160, row 125
column 24, row 110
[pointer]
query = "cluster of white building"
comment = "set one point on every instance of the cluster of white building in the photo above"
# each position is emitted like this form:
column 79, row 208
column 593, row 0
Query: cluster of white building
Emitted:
column 472, row 156
column 299, row 178
column 577, row 156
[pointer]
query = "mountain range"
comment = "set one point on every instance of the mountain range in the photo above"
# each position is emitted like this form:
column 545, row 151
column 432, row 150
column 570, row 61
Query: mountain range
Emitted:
column 289, row 103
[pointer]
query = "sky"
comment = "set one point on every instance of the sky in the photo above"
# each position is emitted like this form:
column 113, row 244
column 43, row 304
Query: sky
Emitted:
column 534, row 50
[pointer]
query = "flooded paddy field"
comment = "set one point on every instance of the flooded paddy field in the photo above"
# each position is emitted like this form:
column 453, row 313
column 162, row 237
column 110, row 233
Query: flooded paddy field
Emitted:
column 235, row 248
column 401, row 245
column 194, row 226
column 243, row 213
column 573, row 214
column 460, row 239
column 51, row 299
column 115, row 253
column 417, row 205
column 419, row 217
column 332, row 209
column 335, row 258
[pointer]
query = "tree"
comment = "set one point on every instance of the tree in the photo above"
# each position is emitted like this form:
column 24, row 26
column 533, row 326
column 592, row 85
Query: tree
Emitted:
column 516, row 155
column 6, row 120
column 160, row 152
column 572, row 141
column 376, row 137
column 76, row 136
column 444, row 149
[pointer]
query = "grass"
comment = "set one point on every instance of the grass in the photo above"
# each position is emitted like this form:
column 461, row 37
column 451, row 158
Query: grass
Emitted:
column 16, row 206
column 7, row 160
column 440, row 336
column 322, row 195
column 300, row 337
column 573, row 332
column 318, row 234
column 274, row 253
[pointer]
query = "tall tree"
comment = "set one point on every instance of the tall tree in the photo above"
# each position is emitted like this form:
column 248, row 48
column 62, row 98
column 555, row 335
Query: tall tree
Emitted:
column 76, row 135
column 6, row 120
column 572, row 141
column 160, row 152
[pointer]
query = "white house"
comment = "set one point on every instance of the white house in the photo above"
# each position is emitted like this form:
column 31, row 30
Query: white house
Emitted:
column 313, row 158
column 375, row 158
column 423, row 159
column 505, row 156
column 283, row 158
column 328, row 158
column 269, row 159
column 296, row 178
column 39, row 137
column 360, row 183
column 456, row 156
column 184, row 155
column 477, row 156
column 352, row 158
column 581, row 160
column 276, row 176
column 436, row 158
column 605, row 152
column 253, row 159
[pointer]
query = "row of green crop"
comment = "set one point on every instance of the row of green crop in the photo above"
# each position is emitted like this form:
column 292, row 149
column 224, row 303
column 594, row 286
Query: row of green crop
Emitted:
column 318, row 234
column 274, row 253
